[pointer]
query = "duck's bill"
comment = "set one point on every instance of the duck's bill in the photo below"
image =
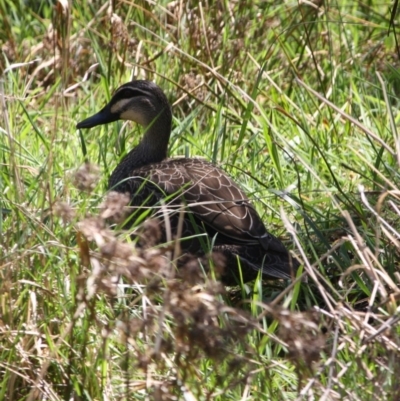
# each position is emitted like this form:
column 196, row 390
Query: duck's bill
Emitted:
column 104, row 116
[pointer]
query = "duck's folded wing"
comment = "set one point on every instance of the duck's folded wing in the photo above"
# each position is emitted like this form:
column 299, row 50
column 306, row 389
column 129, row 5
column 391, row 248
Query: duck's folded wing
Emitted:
column 214, row 199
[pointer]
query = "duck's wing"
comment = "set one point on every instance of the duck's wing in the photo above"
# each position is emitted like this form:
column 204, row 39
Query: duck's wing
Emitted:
column 210, row 194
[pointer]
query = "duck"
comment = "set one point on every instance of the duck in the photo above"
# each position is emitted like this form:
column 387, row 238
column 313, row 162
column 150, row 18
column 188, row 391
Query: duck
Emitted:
column 218, row 214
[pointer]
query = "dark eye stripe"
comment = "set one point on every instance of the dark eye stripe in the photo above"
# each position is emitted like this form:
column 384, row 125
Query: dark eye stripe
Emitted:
column 126, row 93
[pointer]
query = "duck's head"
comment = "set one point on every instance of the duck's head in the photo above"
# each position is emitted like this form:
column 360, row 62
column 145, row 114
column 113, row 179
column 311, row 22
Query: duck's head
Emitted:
column 140, row 101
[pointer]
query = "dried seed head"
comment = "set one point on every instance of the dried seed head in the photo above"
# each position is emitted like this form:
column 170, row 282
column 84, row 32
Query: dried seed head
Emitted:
column 219, row 261
column 150, row 233
column 86, row 177
column 115, row 207
column 65, row 211
column 301, row 332
column 116, row 249
column 91, row 227
column 189, row 269
column 156, row 262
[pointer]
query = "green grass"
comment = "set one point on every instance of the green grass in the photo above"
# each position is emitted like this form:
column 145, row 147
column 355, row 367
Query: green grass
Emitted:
column 321, row 167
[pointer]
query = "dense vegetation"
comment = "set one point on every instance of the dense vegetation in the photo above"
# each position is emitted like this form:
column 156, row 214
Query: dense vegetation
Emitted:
column 299, row 102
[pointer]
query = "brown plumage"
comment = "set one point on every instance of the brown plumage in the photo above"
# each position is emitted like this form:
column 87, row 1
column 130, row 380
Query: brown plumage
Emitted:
column 215, row 205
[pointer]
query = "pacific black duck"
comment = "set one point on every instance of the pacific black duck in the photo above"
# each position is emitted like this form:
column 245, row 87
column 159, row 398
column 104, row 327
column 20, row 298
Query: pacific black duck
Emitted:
column 215, row 205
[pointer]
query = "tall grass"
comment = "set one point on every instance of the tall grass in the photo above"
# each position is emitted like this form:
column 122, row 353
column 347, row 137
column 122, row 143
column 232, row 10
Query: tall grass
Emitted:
column 299, row 103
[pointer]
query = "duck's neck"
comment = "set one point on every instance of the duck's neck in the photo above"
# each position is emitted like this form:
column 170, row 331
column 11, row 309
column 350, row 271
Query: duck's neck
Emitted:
column 153, row 148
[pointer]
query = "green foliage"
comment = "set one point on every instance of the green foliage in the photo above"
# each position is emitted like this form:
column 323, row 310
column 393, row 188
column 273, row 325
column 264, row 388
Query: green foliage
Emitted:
column 299, row 102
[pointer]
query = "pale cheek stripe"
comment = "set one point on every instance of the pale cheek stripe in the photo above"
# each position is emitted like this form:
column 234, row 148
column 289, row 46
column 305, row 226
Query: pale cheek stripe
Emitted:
column 115, row 108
